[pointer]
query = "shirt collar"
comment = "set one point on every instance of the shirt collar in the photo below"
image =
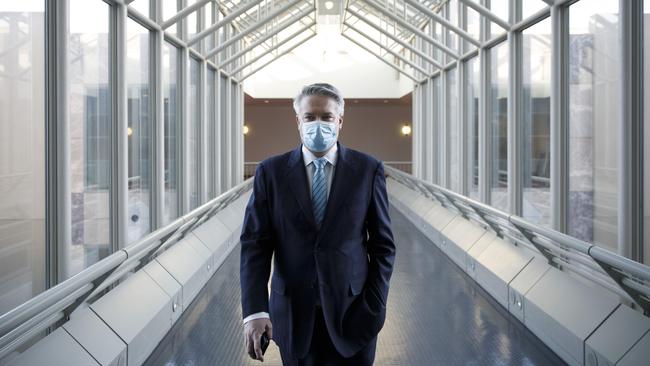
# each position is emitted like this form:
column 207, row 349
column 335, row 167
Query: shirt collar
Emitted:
column 308, row 156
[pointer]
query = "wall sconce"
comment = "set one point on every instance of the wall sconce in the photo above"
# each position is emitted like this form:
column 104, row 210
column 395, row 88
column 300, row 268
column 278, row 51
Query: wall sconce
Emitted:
column 406, row 130
column 129, row 131
column 246, row 129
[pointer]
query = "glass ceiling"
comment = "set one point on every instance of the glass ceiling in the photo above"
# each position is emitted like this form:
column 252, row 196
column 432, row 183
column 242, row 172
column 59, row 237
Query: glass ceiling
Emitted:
column 417, row 36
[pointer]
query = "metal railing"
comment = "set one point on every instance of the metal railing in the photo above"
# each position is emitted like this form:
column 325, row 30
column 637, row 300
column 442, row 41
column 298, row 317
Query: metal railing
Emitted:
column 53, row 307
column 622, row 276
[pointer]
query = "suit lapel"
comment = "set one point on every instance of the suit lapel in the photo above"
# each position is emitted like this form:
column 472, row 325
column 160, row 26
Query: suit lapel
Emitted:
column 297, row 176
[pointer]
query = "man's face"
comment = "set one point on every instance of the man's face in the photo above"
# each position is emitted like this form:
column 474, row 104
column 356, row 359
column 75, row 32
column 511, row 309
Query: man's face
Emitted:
column 316, row 107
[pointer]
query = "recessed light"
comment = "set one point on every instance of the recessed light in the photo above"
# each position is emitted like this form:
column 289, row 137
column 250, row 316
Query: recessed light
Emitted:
column 329, row 5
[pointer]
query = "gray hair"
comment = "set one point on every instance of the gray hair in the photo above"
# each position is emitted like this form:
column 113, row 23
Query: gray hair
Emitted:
column 321, row 89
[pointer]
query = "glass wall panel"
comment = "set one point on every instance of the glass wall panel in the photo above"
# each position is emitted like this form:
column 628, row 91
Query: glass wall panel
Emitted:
column 425, row 129
column 537, row 122
column 169, row 9
column 211, row 10
column 530, row 7
column 452, row 16
column 438, row 124
column 89, row 103
column 473, row 92
column 501, row 9
column 141, row 6
column 472, row 25
column 233, row 129
column 192, row 22
column 172, row 120
column 223, row 111
column 646, row 131
column 211, row 130
column 22, row 152
column 594, row 115
column 453, row 123
column 139, row 131
column 193, row 134
column 498, row 120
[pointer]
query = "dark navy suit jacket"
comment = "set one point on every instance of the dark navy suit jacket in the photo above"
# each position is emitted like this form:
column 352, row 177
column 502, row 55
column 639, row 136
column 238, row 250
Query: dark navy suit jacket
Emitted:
column 349, row 260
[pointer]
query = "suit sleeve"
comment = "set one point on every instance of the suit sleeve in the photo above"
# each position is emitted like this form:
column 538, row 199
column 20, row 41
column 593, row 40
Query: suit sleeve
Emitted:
column 256, row 249
column 381, row 247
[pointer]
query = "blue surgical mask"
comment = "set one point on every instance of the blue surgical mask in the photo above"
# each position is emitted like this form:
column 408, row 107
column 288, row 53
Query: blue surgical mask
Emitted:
column 319, row 136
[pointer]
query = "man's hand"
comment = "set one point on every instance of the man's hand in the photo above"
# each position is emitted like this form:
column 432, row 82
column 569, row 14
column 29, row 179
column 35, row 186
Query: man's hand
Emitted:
column 253, row 330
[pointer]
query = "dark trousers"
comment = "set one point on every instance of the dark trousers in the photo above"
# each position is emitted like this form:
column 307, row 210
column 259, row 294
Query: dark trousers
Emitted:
column 323, row 353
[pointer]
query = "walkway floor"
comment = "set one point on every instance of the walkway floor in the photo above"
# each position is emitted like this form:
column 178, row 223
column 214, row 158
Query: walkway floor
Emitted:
column 437, row 315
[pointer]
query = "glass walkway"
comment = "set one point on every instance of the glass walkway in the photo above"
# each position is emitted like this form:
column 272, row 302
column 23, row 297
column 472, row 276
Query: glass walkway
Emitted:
column 453, row 322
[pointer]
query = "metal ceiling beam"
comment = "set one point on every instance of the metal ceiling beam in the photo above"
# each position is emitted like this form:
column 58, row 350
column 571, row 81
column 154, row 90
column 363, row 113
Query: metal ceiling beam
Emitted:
column 379, row 57
column 261, row 40
column 183, row 13
column 253, row 60
column 404, row 60
column 277, row 57
column 395, row 39
column 412, row 28
column 278, row 28
column 226, row 20
column 487, row 13
column 447, row 24
column 243, row 33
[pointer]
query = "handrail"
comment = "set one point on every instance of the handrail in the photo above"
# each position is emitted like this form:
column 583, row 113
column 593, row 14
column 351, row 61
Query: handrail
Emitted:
column 623, row 276
column 25, row 321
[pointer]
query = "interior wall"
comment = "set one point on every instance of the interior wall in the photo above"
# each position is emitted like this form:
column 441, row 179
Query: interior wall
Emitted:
column 372, row 126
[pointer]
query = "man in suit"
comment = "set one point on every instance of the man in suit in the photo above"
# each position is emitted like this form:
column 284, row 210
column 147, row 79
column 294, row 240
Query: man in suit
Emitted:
column 322, row 209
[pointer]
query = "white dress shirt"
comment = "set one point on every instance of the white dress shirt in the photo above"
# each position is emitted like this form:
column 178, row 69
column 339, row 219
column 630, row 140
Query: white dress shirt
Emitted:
column 308, row 157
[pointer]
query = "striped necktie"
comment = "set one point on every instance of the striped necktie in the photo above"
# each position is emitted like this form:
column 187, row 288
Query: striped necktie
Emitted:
column 319, row 190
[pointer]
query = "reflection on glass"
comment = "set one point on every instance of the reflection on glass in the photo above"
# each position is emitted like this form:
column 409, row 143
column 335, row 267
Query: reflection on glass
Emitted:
column 536, row 122
column 473, row 92
column 594, row 93
column 139, row 131
column 193, row 133
column 499, row 126
column 22, row 152
column 454, row 129
column 172, row 132
column 90, row 135
column 212, row 122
